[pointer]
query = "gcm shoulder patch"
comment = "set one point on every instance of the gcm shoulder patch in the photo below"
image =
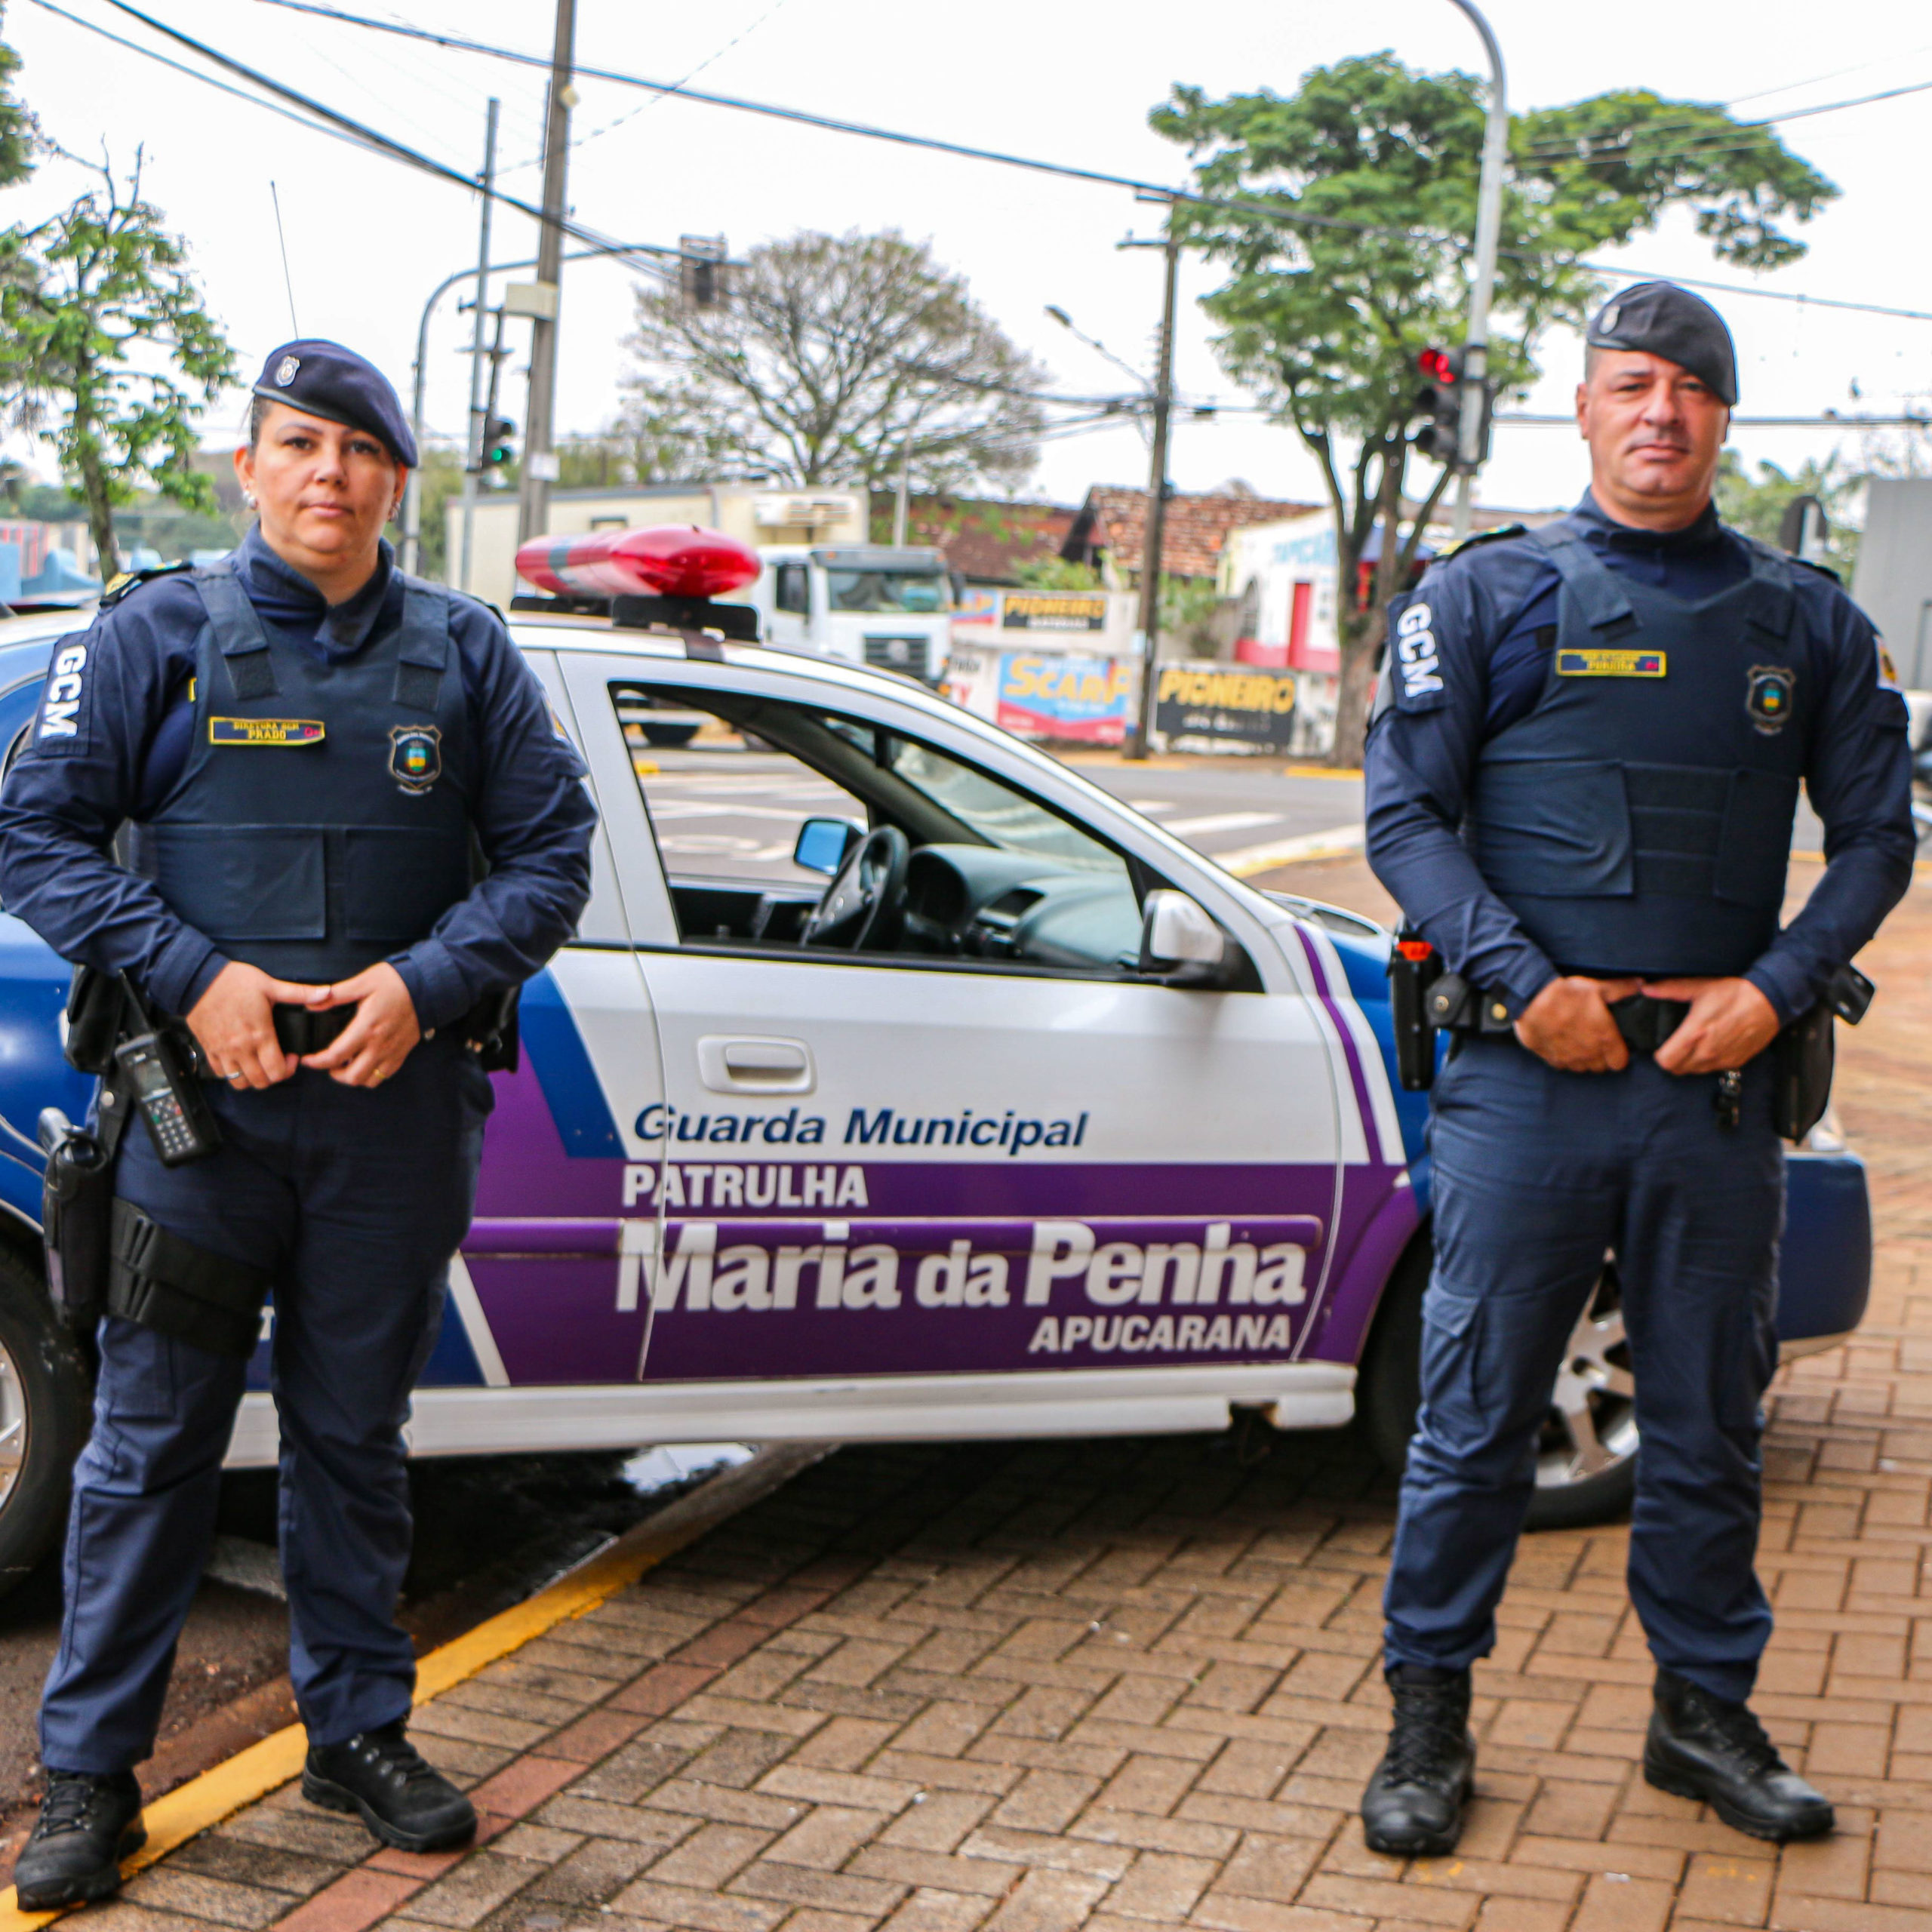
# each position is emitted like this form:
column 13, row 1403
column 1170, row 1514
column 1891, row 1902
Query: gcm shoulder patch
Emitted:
column 416, row 756
column 1768, row 695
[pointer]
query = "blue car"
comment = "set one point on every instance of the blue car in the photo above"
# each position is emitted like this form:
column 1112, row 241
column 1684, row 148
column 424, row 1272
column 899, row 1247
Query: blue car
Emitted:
column 899, row 1082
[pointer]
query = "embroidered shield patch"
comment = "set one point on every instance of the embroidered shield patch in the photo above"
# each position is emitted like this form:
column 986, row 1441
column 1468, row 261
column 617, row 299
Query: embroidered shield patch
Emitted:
column 1768, row 695
column 416, row 756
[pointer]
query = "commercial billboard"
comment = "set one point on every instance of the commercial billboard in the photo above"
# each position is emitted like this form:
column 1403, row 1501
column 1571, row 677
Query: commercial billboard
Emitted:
column 1077, row 698
column 1211, row 707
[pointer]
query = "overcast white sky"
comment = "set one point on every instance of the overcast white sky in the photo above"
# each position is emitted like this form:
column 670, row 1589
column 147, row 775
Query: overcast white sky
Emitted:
column 368, row 239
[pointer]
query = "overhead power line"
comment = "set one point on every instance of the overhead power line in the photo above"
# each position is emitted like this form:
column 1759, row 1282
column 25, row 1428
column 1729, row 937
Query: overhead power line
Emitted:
column 208, row 80
column 1249, row 206
column 639, row 255
column 1694, row 140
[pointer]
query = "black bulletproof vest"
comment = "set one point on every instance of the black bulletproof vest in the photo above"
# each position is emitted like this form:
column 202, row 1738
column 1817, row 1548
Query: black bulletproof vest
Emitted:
column 1638, row 819
column 322, row 822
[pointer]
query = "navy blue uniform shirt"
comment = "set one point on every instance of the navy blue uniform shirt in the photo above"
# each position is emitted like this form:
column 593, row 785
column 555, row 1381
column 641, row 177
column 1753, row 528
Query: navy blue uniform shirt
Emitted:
column 68, row 794
column 1493, row 613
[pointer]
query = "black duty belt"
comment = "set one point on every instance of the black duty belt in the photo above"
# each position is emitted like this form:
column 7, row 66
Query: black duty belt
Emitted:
column 1645, row 1022
column 301, row 1029
column 1456, row 1007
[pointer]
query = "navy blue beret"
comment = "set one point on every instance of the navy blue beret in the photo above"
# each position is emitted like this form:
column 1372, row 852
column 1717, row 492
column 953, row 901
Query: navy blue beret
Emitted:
column 1671, row 322
column 324, row 379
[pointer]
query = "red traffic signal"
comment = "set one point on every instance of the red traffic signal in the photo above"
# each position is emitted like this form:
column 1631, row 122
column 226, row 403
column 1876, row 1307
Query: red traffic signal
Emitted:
column 1439, row 365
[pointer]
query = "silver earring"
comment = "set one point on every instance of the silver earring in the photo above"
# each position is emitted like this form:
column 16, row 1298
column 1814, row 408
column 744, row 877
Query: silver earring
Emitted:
column 248, row 497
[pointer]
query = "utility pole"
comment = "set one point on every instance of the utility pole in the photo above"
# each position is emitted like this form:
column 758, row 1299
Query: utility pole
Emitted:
column 1489, row 222
column 902, row 497
column 472, row 456
column 1139, row 739
column 540, row 462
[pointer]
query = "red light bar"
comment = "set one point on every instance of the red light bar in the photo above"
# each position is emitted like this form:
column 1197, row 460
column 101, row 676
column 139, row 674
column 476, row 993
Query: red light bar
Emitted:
column 1437, row 365
column 666, row 560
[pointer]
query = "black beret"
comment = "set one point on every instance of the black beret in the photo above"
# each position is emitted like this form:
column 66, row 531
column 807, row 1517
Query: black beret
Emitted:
column 1671, row 322
column 324, row 379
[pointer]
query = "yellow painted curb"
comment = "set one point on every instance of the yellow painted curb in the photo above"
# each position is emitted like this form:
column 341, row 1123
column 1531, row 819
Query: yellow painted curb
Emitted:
column 191, row 1808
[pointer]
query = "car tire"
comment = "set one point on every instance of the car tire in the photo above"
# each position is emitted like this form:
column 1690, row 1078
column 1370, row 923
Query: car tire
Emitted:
column 1590, row 1411
column 45, row 1413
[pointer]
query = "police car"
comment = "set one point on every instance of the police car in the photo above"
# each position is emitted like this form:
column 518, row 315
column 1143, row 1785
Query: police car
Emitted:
column 900, row 1083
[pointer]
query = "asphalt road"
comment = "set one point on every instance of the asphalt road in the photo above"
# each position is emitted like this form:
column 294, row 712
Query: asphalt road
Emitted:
column 732, row 813
column 726, row 812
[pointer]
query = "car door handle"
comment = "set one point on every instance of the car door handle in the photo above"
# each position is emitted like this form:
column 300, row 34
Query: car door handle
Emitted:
column 728, row 1065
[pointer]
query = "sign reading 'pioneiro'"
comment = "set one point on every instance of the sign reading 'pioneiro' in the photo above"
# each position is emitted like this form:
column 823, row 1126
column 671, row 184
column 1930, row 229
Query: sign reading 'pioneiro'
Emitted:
column 1025, row 610
column 1241, row 710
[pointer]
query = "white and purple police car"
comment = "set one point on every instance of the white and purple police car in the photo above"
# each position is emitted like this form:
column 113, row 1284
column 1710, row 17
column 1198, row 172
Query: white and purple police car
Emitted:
column 900, row 1083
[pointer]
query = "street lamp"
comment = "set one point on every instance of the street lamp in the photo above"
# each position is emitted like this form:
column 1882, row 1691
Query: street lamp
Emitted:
column 1489, row 222
column 412, row 502
column 1161, row 392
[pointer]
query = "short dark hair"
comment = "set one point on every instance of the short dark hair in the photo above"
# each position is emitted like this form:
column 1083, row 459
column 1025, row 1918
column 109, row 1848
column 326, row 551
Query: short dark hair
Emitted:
column 258, row 414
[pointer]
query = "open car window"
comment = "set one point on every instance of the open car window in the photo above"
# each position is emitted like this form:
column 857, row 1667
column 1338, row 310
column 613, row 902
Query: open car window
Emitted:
column 730, row 780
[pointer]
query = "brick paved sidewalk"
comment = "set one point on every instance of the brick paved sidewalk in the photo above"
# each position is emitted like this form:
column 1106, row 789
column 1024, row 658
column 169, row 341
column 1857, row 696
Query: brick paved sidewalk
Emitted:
column 1123, row 1684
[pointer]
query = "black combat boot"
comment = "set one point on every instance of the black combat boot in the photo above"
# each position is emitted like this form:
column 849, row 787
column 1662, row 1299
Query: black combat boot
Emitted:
column 1701, row 1746
column 1414, row 1803
column 405, row 1801
column 88, row 1824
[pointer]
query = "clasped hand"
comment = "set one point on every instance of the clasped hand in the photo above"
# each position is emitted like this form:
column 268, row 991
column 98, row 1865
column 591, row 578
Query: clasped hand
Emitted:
column 234, row 1021
column 1570, row 1025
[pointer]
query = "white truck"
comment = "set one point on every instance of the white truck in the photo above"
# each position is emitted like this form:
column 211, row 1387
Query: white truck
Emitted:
column 890, row 608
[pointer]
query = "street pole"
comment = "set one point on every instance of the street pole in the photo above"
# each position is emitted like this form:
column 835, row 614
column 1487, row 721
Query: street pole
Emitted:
column 539, row 464
column 472, row 458
column 412, row 508
column 1157, row 503
column 1489, row 223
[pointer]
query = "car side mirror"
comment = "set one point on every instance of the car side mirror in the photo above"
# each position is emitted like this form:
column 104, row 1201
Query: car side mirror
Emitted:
column 1180, row 939
column 823, row 845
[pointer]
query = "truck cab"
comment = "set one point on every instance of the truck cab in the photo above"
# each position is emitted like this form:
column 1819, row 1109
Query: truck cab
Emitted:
column 889, row 608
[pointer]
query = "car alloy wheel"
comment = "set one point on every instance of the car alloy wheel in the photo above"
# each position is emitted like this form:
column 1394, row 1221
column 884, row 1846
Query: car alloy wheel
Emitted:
column 13, row 1424
column 44, row 1415
column 1586, row 1457
column 1587, row 1460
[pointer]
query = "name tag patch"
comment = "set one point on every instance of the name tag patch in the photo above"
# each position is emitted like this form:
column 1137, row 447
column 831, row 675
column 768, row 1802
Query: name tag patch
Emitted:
column 1592, row 663
column 265, row 732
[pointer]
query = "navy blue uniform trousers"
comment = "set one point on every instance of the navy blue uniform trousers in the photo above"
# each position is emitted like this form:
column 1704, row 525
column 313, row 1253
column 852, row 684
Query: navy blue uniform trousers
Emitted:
column 1538, row 1174
column 357, row 1197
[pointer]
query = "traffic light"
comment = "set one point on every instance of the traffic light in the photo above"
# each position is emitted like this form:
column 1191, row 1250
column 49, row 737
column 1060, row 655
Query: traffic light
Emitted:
column 1440, row 399
column 702, row 260
column 497, row 453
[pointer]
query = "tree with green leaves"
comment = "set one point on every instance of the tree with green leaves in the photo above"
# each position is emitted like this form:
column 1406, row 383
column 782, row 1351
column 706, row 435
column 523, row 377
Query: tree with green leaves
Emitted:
column 1344, row 215
column 108, row 351
column 1756, row 504
column 837, row 358
column 18, row 132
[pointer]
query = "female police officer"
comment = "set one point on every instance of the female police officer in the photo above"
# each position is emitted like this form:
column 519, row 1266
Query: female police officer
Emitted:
column 311, row 748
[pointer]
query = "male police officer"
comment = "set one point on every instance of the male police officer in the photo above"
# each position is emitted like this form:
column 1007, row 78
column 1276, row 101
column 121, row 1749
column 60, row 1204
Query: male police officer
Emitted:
column 319, row 756
column 1581, row 781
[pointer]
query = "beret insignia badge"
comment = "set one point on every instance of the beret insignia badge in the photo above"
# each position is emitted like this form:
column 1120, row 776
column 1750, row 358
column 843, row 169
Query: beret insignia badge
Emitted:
column 1768, row 696
column 284, row 371
column 416, row 756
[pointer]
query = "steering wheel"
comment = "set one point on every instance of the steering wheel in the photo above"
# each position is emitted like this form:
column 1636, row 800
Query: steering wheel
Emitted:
column 863, row 904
